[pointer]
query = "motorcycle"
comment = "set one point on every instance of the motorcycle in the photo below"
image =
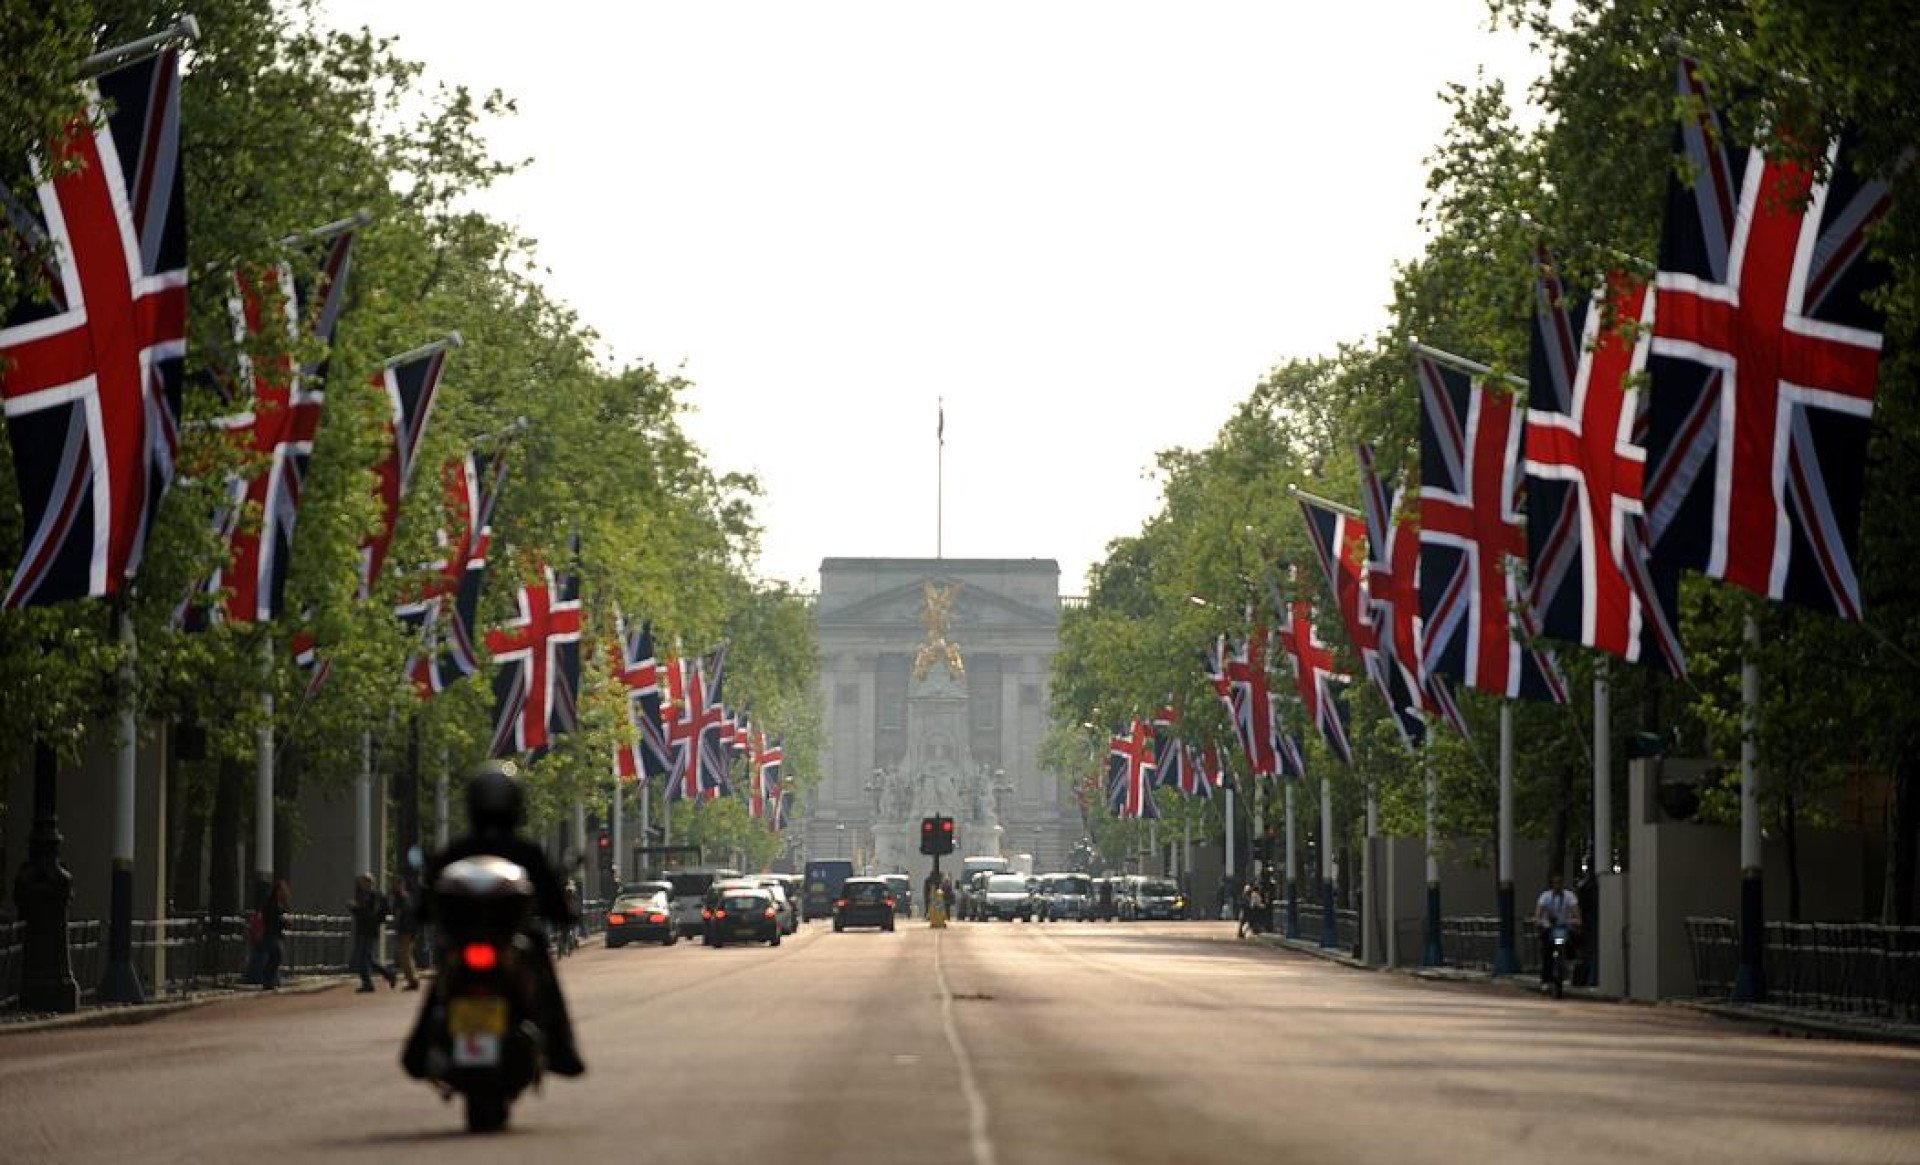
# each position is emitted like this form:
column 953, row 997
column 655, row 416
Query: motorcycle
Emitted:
column 1559, row 951
column 483, row 1035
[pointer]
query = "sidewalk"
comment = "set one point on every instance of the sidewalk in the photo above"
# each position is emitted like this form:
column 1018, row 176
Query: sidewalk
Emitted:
column 105, row 1014
column 1779, row 1020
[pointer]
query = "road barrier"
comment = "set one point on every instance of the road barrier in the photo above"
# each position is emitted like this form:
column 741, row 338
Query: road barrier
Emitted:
column 1852, row 968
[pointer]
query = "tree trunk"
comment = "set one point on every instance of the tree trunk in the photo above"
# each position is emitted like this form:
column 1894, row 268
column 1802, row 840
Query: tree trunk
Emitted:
column 1790, row 815
column 223, row 849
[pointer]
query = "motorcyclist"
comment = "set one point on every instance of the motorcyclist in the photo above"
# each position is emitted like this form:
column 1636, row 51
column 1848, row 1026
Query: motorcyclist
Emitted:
column 496, row 808
column 1557, row 906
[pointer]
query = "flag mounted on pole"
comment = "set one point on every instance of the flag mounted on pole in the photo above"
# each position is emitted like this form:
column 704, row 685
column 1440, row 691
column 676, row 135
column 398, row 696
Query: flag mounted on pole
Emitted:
column 409, row 382
column 447, row 655
column 1321, row 688
column 92, row 376
column 1130, row 773
column 639, row 674
column 537, row 660
column 1587, row 537
column 1764, row 367
column 1471, row 601
column 278, row 424
column 1393, row 594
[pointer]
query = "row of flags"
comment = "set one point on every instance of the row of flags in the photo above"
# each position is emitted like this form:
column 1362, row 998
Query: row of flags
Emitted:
column 1712, row 418
column 92, row 391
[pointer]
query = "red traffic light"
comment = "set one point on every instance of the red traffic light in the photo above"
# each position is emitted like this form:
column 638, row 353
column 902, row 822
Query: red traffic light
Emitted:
column 606, row 842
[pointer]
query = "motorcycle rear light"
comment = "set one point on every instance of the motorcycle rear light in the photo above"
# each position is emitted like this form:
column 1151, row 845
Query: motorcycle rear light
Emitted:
column 616, row 920
column 889, row 902
column 706, row 912
column 719, row 914
column 771, row 913
column 840, row 904
column 480, row 956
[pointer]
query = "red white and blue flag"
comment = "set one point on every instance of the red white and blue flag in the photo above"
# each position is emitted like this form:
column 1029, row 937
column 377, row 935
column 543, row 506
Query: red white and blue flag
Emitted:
column 639, row 674
column 92, row 376
column 1587, row 538
column 1321, row 686
column 1764, row 367
column 1130, row 773
column 447, row 653
column 768, row 762
column 1472, row 604
column 274, row 306
column 536, row 657
column 693, row 733
column 409, row 384
column 1393, row 591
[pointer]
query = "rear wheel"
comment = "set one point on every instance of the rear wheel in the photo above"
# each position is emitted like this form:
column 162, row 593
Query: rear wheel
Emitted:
column 486, row 1111
column 775, row 940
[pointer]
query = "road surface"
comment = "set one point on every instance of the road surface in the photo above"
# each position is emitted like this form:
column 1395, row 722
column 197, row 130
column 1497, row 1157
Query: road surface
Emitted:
column 979, row 1044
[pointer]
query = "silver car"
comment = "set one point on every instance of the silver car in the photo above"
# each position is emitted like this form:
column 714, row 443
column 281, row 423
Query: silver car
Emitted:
column 1066, row 896
column 1008, row 896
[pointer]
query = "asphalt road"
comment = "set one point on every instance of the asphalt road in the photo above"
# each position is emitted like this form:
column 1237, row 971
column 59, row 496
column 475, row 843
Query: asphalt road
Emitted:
column 1064, row 1042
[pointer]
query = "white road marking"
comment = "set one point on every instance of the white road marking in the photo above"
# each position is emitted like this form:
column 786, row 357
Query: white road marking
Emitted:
column 976, row 1103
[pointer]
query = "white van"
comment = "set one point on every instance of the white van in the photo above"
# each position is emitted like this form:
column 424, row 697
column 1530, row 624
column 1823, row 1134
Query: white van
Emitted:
column 690, row 894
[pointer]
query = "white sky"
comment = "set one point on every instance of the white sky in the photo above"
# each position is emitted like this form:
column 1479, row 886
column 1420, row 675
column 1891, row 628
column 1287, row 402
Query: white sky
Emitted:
column 1089, row 225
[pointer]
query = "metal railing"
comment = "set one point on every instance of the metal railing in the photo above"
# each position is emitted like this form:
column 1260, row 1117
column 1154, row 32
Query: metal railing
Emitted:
column 1850, row 968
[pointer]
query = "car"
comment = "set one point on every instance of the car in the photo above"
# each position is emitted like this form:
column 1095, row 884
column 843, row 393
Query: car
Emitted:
column 640, row 917
column 1066, row 896
column 690, row 896
column 973, row 896
column 864, row 902
column 789, row 912
column 1007, row 897
column 1152, row 898
column 902, row 890
column 794, row 886
column 742, row 913
column 1104, row 905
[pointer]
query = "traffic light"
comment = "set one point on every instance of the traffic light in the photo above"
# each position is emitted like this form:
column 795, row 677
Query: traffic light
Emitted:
column 936, row 835
column 605, row 841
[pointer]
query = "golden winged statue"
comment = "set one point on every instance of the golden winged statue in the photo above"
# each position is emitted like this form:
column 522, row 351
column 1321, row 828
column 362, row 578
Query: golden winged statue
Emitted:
column 937, row 619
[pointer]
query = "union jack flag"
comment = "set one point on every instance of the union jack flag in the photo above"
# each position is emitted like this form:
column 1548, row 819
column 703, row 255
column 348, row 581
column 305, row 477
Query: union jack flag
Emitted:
column 1471, row 601
column 537, row 660
column 1130, row 773
column 447, row 656
column 768, row 762
column 410, row 383
column 91, row 378
column 1166, row 749
column 1393, row 593
column 1321, row 688
column 278, row 429
column 693, row 733
column 1341, row 543
column 1255, row 718
column 1764, row 366
column 639, row 674
column 1586, row 528
column 1204, row 772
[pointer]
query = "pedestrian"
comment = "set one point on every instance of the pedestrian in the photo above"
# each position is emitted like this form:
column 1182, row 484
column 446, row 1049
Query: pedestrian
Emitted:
column 368, row 909
column 1251, row 905
column 406, row 931
column 273, row 932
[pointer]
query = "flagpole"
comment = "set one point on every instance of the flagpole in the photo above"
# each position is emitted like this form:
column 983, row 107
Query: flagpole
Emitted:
column 120, row 981
column 617, row 827
column 1505, row 960
column 363, row 809
column 1369, row 888
column 1750, row 982
column 1462, row 364
column 182, row 30
column 451, row 340
column 1338, row 507
column 321, row 234
column 1602, row 809
column 1434, row 955
column 1293, row 866
column 940, row 481
column 1329, row 918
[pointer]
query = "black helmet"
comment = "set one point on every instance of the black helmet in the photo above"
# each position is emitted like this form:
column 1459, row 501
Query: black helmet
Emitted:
column 495, row 801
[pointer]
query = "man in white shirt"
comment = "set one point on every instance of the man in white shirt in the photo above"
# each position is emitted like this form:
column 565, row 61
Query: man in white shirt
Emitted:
column 1557, row 906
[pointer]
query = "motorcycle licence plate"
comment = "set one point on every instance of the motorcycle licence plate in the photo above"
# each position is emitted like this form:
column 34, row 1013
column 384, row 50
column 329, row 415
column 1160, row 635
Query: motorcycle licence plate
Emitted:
column 476, row 1024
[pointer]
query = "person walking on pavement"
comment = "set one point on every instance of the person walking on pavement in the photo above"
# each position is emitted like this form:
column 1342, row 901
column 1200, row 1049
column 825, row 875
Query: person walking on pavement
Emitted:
column 273, row 932
column 368, row 909
column 406, row 931
column 1249, row 910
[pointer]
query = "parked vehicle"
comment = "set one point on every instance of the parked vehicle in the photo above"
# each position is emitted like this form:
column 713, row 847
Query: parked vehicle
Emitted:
column 690, row 896
column 823, row 881
column 483, row 1034
column 743, row 913
column 864, row 902
column 641, row 918
column 1066, row 896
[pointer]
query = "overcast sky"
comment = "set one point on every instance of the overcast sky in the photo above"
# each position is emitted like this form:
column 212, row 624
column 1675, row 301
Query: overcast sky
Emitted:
column 1088, row 227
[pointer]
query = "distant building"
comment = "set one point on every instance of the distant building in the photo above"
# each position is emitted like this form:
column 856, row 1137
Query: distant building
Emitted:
column 1004, row 619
